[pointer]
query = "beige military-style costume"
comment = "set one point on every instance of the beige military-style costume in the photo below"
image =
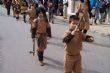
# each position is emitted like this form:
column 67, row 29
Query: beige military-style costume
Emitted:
column 41, row 26
column 16, row 9
column 72, row 40
column 72, row 57
column 19, row 2
column 32, row 15
column 23, row 8
column 13, row 6
column 83, row 13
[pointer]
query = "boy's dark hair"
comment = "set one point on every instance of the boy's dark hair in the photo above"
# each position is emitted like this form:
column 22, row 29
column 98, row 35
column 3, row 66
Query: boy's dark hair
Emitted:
column 41, row 9
column 82, row 1
column 73, row 17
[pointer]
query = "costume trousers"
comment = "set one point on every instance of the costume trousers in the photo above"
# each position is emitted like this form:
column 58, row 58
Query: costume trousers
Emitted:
column 72, row 64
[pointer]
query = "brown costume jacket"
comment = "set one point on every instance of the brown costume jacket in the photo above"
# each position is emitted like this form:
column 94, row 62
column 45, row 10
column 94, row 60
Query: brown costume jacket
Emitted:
column 75, row 45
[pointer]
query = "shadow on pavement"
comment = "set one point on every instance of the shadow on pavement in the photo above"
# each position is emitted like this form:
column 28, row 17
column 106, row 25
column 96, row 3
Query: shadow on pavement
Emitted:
column 56, row 64
column 1, row 56
column 54, row 61
column 57, row 44
column 57, row 38
column 60, row 68
column 89, row 71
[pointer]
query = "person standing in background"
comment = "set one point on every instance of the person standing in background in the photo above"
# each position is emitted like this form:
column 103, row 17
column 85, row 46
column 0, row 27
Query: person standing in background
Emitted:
column 65, row 6
column 7, row 4
column 24, row 8
column 50, row 11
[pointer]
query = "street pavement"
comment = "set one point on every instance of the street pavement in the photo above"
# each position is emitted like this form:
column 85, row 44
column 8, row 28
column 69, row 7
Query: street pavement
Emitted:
column 16, row 42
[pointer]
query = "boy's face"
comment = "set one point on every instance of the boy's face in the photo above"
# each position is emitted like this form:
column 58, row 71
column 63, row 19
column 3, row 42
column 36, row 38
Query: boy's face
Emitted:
column 32, row 7
column 73, row 24
column 41, row 15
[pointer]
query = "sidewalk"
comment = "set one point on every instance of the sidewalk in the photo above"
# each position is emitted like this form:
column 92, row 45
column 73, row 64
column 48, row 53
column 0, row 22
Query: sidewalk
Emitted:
column 103, row 29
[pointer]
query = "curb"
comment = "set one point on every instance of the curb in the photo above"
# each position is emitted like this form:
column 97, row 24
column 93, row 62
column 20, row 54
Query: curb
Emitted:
column 101, row 33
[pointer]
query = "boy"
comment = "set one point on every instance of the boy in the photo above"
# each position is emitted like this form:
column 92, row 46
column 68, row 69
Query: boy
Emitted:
column 83, row 11
column 24, row 8
column 73, row 44
column 39, row 31
column 50, row 10
column 31, row 12
column 7, row 4
column 17, row 9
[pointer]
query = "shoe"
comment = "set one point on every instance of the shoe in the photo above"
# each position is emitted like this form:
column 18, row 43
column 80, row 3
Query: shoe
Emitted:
column 17, row 18
column 90, row 24
column 41, row 63
column 14, row 16
column 96, row 23
column 24, row 21
column 53, row 22
column 103, row 20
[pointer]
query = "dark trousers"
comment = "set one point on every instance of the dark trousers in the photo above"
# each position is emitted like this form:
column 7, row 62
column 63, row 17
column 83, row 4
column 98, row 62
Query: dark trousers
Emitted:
column 95, row 21
column 61, row 12
column 8, row 11
column 55, row 9
column 51, row 18
column 24, row 18
column 40, row 55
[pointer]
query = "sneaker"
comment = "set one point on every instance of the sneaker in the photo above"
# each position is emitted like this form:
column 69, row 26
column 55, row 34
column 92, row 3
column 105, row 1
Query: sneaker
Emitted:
column 24, row 21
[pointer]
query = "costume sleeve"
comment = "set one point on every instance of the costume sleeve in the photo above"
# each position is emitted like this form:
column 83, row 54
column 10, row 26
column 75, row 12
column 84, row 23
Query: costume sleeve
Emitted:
column 34, row 28
column 67, row 37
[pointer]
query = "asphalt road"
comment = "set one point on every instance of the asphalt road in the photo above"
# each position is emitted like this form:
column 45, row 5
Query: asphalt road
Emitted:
column 15, row 44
